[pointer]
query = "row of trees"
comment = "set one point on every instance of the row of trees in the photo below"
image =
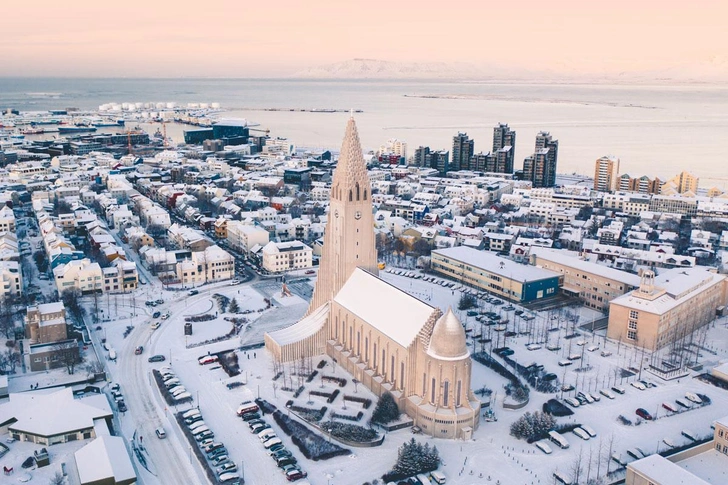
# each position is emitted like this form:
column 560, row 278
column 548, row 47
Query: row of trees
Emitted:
column 413, row 458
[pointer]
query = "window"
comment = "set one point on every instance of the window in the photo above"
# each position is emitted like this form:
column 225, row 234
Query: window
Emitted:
column 446, row 394
column 632, row 325
column 432, row 391
column 458, row 390
column 631, row 335
column 634, row 314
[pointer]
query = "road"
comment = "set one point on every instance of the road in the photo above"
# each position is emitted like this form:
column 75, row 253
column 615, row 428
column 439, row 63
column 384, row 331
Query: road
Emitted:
column 168, row 458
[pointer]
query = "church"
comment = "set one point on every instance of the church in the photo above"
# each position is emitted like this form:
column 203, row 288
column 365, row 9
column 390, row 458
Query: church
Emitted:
column 385, row 338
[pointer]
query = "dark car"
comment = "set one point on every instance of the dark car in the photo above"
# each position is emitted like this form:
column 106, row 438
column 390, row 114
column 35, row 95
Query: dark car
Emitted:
column 518, row 312
column 156, row 314
column 289, row 460
column 157, row 358
column 122, row 406
column 510, row 333
column 250, row 416
column 506, row 352
column 642, row 413
column 159, row 302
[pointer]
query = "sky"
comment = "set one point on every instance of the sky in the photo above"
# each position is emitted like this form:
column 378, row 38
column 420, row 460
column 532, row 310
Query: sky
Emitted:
column 232, row 38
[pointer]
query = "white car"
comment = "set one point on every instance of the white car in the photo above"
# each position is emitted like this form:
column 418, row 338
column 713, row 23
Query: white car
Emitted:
column 606, row 393
column 638, row 385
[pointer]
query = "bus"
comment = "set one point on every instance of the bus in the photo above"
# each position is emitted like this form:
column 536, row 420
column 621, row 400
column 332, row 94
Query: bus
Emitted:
column 558, row 440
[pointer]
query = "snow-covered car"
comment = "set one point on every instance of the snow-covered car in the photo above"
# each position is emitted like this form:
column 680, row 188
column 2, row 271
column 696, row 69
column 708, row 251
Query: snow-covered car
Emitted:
column 207, row 359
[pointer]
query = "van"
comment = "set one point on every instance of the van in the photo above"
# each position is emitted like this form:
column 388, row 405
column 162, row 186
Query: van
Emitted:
column 437, row 477
column 247, row 407
column 199, row 430
column 558, row 439
column 589, row 431
column 272, row 441
column 533, row 347
column 564, row 363
column 191, row 412
column 543, row 447
column 559, row 478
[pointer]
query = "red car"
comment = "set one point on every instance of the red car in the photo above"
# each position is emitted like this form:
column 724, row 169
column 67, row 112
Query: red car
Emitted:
column 310, row 271
column 294, row 475
column 642, row 413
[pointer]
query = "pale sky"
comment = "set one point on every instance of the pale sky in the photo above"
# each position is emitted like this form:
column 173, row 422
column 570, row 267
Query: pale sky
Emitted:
column 234, row 38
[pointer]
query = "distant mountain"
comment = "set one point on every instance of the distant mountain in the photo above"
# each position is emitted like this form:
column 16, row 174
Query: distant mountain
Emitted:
column 714, row 70
column 378, row 69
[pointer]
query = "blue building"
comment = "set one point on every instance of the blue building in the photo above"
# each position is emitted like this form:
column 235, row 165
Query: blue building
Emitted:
column 502, row 277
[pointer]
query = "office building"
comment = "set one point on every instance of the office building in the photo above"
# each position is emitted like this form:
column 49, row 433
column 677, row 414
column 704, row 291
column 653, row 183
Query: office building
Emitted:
column 605, row 174
column 668, row 307
column 439, row 160
column 505, row 278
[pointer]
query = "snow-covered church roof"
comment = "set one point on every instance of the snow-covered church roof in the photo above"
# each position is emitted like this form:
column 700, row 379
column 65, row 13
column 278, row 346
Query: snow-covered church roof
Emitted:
column 383, row 306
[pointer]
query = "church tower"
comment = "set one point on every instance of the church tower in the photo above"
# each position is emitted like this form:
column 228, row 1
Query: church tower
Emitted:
column 349, row 235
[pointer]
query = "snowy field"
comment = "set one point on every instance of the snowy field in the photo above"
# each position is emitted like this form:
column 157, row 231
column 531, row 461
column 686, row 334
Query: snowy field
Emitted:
column 492, row 456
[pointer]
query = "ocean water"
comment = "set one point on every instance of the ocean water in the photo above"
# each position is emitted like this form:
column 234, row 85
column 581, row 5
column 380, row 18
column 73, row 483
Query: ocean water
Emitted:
column 656, row 130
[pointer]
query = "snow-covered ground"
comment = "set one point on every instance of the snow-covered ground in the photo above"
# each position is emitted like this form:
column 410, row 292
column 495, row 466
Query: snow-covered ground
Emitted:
column 492, row 453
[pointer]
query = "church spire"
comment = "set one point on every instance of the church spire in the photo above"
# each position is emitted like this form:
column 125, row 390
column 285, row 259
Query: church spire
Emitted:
column 349, row 236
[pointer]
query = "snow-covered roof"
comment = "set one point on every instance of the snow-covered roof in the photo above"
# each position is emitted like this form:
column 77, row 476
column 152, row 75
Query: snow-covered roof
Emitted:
column 384, row 307
column 663, row 471
column 559, row 257
column 53, row 412
column 495, row 264
column 103, row 458
column 305, row 327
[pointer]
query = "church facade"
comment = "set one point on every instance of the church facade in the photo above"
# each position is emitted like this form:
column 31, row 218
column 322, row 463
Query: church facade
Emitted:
column 385, row 338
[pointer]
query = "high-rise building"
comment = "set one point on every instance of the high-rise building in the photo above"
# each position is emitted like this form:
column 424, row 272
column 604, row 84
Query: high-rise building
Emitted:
column 643, row 184
column 394, row 147
column 504, row 148
column 421, row 158
column 462, row 149
column 540, row 168
column 439, row 160
column 680, row 184
column 482, row 162
column 605, row 174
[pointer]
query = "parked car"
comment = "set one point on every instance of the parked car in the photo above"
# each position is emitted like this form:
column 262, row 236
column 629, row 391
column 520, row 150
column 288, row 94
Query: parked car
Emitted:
column 155, row 325
column 682, row 403
column 572, row 402
column 159, row 302
column 219, row 460
column 638, row 385
column 165, row 316
column 606, row 393
column 207, row 359
column 157, row 358
column 227, row 467
column 618, row 390
column 294, row 475
column 693, row 398
column 642, row 413
column 192, row 292
column 156, row 314
column 250, row 416
column 669, row 406
column 605, row 353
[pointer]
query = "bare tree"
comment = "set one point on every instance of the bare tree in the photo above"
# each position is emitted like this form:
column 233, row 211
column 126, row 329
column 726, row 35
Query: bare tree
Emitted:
column 10, row 358
column 94, row 367
column 67, row 353
column 57, row 479
column 576, row 467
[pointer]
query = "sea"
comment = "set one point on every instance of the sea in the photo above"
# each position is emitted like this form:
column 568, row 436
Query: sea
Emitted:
column 655, row 130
